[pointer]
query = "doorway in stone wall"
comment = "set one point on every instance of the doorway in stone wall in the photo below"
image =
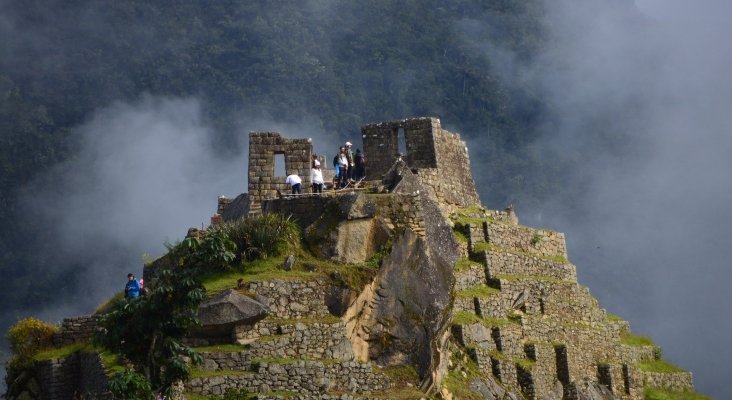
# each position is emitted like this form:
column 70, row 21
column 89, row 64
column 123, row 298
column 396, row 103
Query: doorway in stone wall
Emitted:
column 280, row 169
column 401, row 142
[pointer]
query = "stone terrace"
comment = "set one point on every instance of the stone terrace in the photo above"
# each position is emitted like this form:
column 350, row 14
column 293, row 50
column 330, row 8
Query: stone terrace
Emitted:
column 532, row 324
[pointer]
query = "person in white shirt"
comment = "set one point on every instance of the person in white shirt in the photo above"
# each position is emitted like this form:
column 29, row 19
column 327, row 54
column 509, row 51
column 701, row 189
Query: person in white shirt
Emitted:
column 317, row 177
column 295, row 183
column 343, row 167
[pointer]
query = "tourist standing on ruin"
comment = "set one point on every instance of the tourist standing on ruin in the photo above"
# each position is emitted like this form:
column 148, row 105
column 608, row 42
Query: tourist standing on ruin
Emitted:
column 132, row 288
column 349, row 158
column 295, row 183
column 360, row 165
column 342, row 167
column 316, row 177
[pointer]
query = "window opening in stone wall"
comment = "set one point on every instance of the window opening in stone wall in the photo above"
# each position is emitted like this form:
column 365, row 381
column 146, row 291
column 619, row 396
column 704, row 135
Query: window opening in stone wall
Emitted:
column 279, row 164
column 402, row 140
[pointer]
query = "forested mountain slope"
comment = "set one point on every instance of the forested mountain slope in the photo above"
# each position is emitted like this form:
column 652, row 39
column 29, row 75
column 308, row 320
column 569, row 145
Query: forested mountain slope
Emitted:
column 339, row 64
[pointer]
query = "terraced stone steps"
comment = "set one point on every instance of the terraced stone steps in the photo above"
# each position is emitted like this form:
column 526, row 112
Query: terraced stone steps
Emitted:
column 499, row 262
column 311, row 377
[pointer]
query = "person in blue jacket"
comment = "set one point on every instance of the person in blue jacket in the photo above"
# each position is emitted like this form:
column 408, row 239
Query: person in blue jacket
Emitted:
column 132, row 288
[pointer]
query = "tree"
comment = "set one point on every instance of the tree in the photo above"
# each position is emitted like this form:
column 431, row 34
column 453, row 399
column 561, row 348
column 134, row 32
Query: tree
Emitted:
column 147, row 331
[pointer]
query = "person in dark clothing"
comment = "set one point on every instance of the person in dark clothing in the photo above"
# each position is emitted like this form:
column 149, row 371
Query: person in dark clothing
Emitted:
column 360, row 165
column 132, row 288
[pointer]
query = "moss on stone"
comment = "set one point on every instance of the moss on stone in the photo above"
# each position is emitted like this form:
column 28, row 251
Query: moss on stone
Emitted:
column 614, row 318
column 524, row 363
column 220, row 348
column 199, row 373
column 464, row 264
column 658, row 394
column 468, row 318
column 636, row 340
column 460, row 236
column 480, row 290
column 62, row 352
column 661, row 366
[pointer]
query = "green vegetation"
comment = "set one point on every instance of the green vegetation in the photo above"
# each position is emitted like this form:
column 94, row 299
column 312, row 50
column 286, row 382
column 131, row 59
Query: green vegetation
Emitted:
column 658, row 394
column 199, row 373
column 636, row 340
column 460, row 236
column 459, row 377
column 27, row 338
column 525, row 363
column 659, row 366
column 261, row 236
column 402, row 374
column 223, row 348
column 479, row 290
column 464, row 264
column 56, row 353
column 614, row 318
column 536, row 238
column 130, row 384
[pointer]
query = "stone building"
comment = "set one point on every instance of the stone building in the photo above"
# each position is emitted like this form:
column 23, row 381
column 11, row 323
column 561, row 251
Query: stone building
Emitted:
column 438, row 157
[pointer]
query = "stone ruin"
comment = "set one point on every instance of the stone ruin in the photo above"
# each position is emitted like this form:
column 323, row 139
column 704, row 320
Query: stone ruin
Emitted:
column 459, row 285
column 438, row 158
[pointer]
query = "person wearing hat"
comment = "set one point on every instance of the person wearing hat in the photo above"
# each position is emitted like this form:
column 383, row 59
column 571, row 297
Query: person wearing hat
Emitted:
column 132, row 288
column 316, row 177
column 349, row 157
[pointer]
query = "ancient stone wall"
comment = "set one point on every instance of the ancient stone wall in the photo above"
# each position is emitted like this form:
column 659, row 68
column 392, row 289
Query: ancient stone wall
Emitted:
column 75, row 330
column 304, row 377
column 292, row 298
column 226, row 360
column 71, row 377
column 304, row 210
column 438, row 157
column 263, row 184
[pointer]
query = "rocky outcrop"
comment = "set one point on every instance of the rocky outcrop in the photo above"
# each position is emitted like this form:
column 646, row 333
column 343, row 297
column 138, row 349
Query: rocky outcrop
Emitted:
column 221, row 313
column 403, row 315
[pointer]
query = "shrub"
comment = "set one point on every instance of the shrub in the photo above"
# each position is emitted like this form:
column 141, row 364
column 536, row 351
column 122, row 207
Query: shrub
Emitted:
column 130, row 385
column 261, row 236
column 27, row 337
column 212, row 251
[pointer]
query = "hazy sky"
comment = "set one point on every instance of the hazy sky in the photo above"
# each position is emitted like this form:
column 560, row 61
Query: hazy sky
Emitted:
column 653, row 238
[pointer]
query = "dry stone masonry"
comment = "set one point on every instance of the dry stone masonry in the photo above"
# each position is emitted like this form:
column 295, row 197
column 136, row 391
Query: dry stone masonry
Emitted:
column 454, row 280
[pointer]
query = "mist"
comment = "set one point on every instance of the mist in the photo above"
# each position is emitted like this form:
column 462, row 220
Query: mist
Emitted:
column 641, row 100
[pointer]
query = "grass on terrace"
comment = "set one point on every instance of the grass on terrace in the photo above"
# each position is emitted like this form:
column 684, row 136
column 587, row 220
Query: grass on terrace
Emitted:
column 480, row 290
column 636, row 340
column 657, row 394
column 110, row 361
column 307, row 267
column 659, row 366
column 222, row 348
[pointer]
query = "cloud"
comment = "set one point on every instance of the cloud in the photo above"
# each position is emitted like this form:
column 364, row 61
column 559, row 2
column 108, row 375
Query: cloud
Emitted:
column 639, row 106
column 644, row 99
column 144, row 172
